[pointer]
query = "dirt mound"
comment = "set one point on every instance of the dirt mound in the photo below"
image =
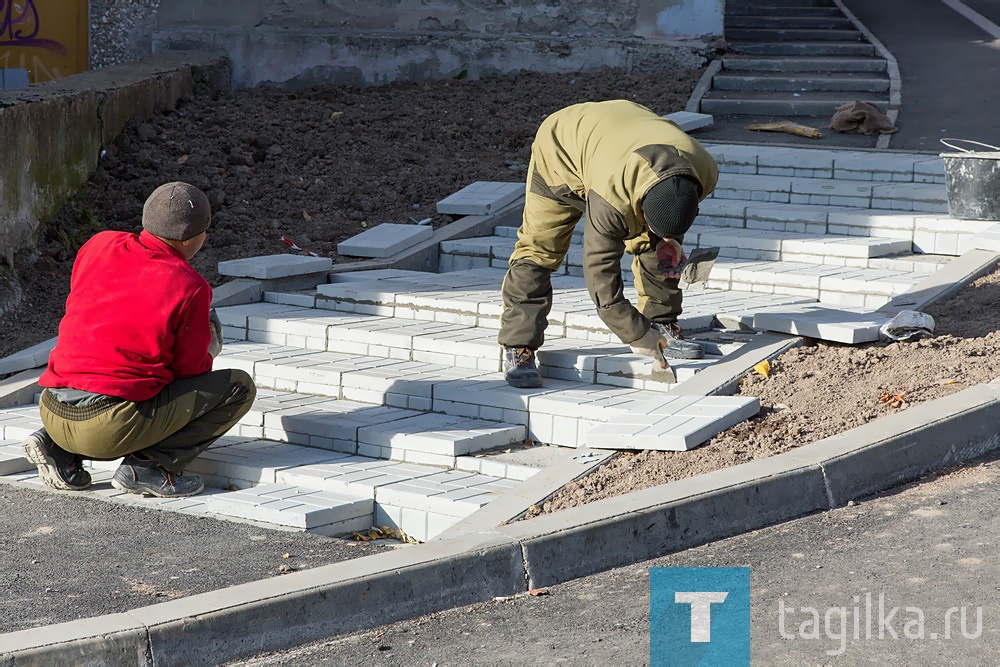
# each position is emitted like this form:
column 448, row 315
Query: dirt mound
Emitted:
column 822, row 389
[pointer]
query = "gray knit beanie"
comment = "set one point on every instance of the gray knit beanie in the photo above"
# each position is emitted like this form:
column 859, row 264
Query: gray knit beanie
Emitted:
column 176, row 211
column 671, row 206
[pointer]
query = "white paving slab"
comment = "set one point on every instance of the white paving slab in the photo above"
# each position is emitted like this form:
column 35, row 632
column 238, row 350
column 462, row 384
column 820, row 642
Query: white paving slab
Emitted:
column 254, row 462
column 384, row 240
column 841, row 325
column 480, row 198
column 674, row 423
column 689, row 120
column 287, row 505
column 12, row 459
column 358, row 475
column 427, row 506
column 274, row 266
column 35, row 356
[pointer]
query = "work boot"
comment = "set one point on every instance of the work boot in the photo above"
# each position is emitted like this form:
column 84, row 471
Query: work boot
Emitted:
column 142, row 475
column 58, row 468
column 677, row 347
column 519, row 368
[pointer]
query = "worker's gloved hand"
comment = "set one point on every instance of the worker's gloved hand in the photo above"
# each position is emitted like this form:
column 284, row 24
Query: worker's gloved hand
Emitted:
column 651, row 345
column 670, row 258
column 215, row 324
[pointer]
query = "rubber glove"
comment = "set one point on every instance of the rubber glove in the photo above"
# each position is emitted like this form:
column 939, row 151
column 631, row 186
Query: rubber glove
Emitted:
column 651, row 345
column 670, row 258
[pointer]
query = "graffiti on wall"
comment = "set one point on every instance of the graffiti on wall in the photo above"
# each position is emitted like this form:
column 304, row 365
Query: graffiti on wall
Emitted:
column 20, row 25
column 44, row 41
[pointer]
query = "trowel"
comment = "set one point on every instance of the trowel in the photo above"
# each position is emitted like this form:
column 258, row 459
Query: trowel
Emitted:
column 699, row 265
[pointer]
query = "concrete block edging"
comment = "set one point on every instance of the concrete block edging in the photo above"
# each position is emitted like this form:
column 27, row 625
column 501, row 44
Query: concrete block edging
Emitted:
column 277, row 613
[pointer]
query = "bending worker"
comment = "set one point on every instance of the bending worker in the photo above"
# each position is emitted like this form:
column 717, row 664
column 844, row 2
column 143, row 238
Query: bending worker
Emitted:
column 639, row 179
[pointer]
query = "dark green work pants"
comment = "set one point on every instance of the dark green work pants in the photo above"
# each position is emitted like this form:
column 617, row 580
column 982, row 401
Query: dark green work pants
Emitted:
column 172, row 428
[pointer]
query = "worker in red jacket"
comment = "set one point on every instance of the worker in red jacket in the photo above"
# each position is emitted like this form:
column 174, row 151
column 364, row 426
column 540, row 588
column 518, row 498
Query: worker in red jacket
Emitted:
column 131, row 373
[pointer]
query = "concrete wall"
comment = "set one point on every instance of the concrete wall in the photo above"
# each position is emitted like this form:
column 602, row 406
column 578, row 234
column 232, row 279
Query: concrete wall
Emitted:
column 368, row 42
column 53, row 132
column 591, row 18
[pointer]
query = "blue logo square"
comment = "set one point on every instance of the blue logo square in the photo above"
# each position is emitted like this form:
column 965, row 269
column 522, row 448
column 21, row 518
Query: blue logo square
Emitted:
column 699, row 616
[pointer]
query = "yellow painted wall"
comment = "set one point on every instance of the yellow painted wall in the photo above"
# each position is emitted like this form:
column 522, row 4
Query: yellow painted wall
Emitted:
column 46, row 37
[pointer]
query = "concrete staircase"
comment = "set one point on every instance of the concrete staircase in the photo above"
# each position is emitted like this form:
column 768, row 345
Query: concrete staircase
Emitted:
column 794, row 59
column 381, row 400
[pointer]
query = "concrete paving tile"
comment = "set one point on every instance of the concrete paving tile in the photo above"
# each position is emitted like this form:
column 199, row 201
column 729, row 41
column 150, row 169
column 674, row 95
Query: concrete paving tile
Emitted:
column 237, row 316
column 384, row 240
column 20, row 422
column 357, row 474
column 298, row 299
column 688, row 120
column 286, row 505
column 480, row 198
column 450, row 492
column 274, row 266
column 254, row 462
column 442, row 435
column 492, row 391
column 839, row 325
column 12, row 459
column 676, row 423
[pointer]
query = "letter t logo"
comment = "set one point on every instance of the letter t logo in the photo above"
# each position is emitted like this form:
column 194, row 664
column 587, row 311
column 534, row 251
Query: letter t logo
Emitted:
column 701, row 611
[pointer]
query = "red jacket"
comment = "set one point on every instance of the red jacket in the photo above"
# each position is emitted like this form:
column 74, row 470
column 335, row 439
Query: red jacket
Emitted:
column 137, row 318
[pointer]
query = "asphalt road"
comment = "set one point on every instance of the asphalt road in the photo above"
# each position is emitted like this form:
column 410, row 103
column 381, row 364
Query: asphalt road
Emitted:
column 950, row 69
column 67, row 557
column 927, row 548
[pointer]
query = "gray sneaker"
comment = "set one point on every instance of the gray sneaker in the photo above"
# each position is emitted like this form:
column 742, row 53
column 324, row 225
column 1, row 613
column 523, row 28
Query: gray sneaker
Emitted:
column 57, row 468
column 519, row 368
column 677, row 347
column 145, row 476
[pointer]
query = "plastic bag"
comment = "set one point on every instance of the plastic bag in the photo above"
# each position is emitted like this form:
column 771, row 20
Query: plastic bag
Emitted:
column 908, row 324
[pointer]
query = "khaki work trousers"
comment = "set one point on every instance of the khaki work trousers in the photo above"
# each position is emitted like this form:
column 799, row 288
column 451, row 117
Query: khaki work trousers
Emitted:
column 542, row 243
column 172, row 428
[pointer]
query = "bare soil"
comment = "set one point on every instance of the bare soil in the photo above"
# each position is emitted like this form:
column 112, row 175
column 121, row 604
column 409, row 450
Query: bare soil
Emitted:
column 321, row 165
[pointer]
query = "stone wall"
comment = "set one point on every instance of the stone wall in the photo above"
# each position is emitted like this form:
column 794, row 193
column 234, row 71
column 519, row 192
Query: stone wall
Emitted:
column 368, row 42
column 294, row 43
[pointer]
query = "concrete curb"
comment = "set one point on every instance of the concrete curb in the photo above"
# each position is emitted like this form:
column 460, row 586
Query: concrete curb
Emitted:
column 703, row 86
column 895, row 80
column 313, row 604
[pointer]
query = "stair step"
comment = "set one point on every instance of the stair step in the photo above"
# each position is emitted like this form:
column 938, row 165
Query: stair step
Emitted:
column 781, row 104
column 381, row 361
column 802, row 48
column 816, row 81
column 916, row 197
column 803, row 64
column 820, row 163
column 760, row 10
column 830, row 22
column 573, row 315
column 793, row 35
column 775, row 245
column 833, row 285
